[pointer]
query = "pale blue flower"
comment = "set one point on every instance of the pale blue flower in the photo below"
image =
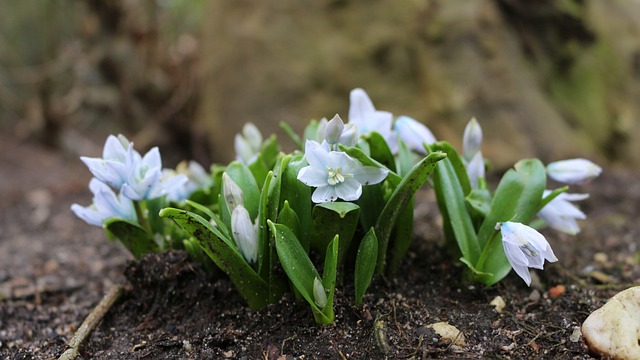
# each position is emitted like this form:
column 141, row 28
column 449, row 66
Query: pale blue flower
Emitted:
column 197, row 179
column 248, row 143
column 145, row 180
column 116, row 162
column 471, row 140
column 573, row 171
column 525, row 248
column 561, row 215
column 335, row 174
column 366, row 118
column 414, row 133
column 335, row 132
column 245, row 233
column 106, row 205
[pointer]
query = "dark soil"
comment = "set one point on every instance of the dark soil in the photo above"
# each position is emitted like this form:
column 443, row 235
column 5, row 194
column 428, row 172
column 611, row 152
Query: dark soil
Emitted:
column 54, row 269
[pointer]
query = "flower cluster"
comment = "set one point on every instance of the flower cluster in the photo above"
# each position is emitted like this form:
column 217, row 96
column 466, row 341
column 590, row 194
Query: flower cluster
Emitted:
column 345, row 196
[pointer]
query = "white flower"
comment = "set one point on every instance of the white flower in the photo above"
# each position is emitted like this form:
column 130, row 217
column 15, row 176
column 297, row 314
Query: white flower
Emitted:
column 145, row 180
column 364, row 115
column 244, row 234
column 414, row 133
column 248, row 143
column 116, row 162
column 525, row 248
column 335, row 132
column 561, row 215
column 335, row 174
column 475, row 170
column 197, row 177
column 573, row 171
column 471, row 140
column 106, row 205
column 319, row 293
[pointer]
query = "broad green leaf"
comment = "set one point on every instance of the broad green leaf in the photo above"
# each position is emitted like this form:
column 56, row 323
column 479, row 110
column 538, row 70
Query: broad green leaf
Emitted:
column 296, row 265
column 309, row 132
column 242, row 176
column 269, row 152
column 259, row 170
column 298, row 195
column 264, row 250
column 366, row 260
column 333, row 218
column 517, row 199
column 212, row 216
column 399, row 199
column 407, row 159
column 289, row 218
column 131, row 235
column 401, row 237
column 479, row 202
column 379, row 150
column 371, row 203
column 249, row 284
column 451, row 201
column 456, row 163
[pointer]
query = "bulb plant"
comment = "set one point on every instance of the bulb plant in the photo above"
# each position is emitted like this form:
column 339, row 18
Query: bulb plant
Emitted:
column 343, row 201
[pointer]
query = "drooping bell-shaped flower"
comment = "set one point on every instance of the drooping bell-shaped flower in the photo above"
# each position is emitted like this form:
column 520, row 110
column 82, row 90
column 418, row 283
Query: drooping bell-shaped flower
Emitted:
column 244, row 234
column 106, row 205
column 319, row 293
column 414, row 133
column 248, row 143
column 561, row 214
column 573, row 171
column 525, row 248
column 335, row 174
column 471, row 140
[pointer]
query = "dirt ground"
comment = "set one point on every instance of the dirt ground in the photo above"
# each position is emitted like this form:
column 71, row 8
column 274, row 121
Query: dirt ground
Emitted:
column 54, row 269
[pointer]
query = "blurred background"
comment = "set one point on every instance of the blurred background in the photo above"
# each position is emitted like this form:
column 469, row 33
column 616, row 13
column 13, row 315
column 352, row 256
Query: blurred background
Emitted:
column 547, row 78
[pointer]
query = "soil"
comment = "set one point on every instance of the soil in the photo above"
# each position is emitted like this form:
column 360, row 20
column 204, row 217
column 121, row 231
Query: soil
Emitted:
column 54, row 269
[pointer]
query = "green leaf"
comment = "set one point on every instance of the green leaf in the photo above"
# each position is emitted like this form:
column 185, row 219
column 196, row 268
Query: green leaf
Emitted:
column 270, row 151
column 297, row 265
column 309, row 132
column 399, row 199
column 329, row 274
column 333, row 218
column 479, row 201
column 517, row 199
column 365, row 264
column 249, row 284
column 298, row 195
column 401, row 237
column 451, row 201
column 552, row 195
column 264, row 250
column 289, row 218
column 407, row 159
column 259, row 170
column 379, row 150
column 456, row 164
column 292, row 134
column 242, row 176
column 131, row 235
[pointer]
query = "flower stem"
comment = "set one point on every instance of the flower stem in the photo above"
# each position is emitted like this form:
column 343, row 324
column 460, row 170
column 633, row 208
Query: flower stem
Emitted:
column 485, row 251
column 142, row 220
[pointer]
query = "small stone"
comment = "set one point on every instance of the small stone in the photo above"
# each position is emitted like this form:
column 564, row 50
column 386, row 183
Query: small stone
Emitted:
column 601, row 258
column 449, row 332
column 575, row 335
column 557, row 290
column 613, row 331
column 498, row 303
column 534, row 296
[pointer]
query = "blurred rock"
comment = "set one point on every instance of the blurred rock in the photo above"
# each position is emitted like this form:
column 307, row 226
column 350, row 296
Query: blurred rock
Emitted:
column 613, row 331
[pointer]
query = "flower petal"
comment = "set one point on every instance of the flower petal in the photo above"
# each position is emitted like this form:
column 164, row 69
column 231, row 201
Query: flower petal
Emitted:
column 324, row 194
column 312, row 176
column 349, row 190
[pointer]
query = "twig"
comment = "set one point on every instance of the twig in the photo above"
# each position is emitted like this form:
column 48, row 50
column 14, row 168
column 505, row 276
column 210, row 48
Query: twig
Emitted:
column 90, row 322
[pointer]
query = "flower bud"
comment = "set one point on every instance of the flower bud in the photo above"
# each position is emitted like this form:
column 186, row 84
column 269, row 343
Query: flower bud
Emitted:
column 244, row 233
column 231, row 192
column 319, row 293
column 334, row 129
column 471, row 139
column 573, row 171
column 322, row 125
column 244, row 152
column 475, row 170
